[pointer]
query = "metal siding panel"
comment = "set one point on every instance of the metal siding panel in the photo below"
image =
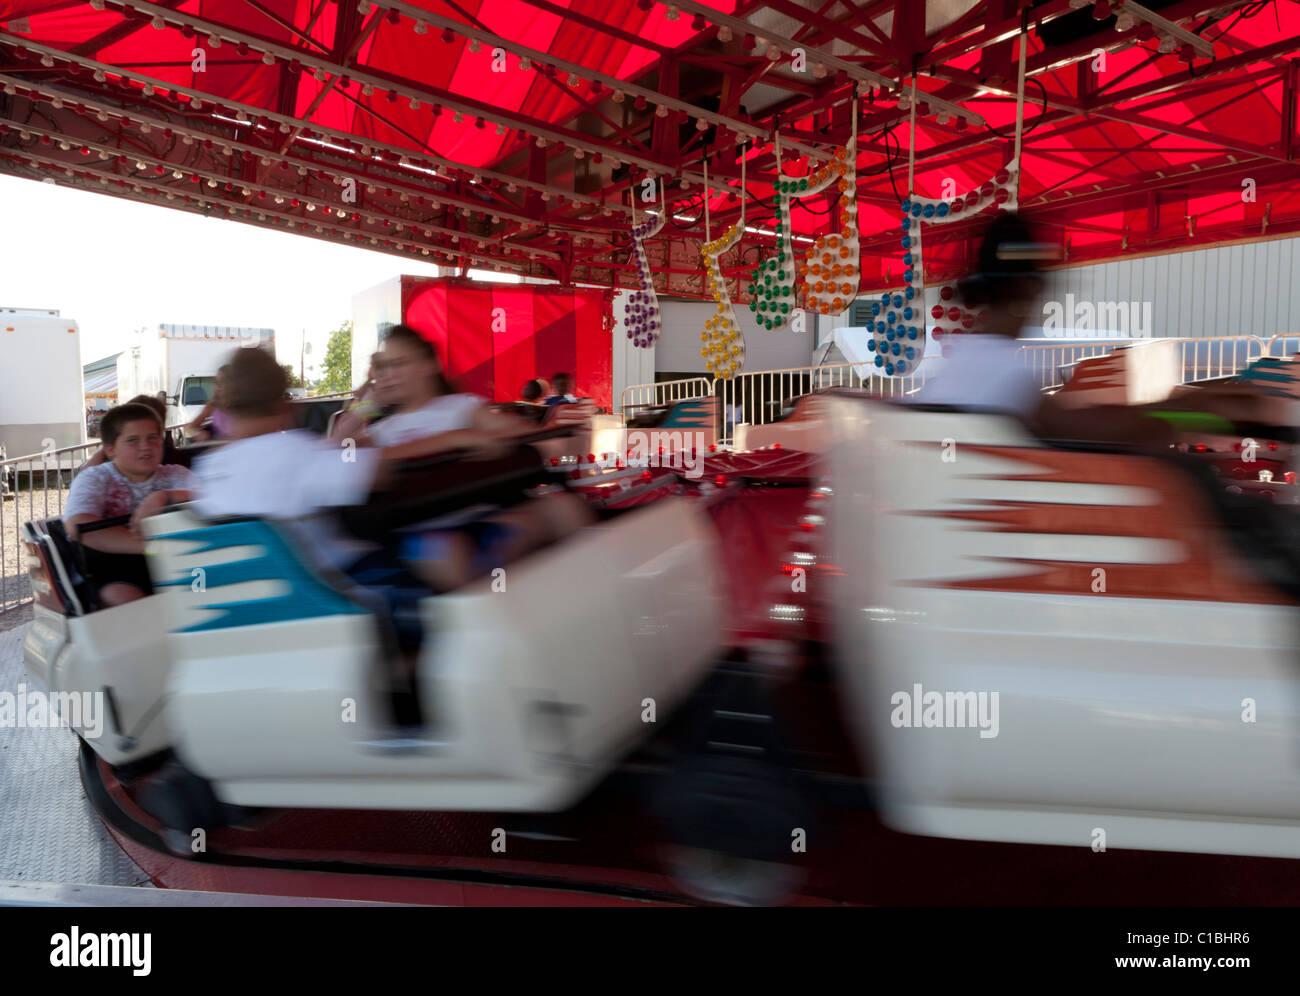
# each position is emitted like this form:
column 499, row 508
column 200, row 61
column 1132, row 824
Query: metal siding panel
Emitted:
column 1198, row 264
column 1151, row 287
column 1243, row 319
column 1173, row 284
column 1184, row 265
column 1271, row 294
column 1124, row 284
column 1219, row 277
column 1168, row 302
column 1237, row 320
column 1248, row 289
column 1287, row 292
column 1251, row 266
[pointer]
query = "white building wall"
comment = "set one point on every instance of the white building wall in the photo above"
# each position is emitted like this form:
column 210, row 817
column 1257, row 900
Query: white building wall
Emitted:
column 632, row 365
column 678, row 348
column 1250, row 289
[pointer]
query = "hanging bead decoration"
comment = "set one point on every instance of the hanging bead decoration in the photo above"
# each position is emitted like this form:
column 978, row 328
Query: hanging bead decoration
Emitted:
column 899, row 320
column 772, row 286
column 832, row 265
column 642, row 316
column 723, row 343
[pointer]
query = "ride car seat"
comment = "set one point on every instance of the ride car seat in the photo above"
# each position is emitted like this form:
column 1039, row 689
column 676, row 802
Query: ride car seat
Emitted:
column 63, row 572
column 70, row 558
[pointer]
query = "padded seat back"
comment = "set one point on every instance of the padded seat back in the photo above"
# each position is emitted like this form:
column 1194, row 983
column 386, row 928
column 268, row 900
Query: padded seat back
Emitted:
column 67, row 553
column 53, row 567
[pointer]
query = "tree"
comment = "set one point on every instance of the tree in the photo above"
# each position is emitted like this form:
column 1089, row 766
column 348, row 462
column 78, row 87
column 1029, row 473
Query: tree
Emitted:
column 291, row 378
column 336, row 371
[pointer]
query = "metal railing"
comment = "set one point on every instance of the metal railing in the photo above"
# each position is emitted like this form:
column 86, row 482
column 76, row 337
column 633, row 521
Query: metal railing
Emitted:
column 1282, row 345
column 762, row 396
column 34, row 486
column 1047, row 360
column 1200, row 358
column 663, row 393
column 1219, row 356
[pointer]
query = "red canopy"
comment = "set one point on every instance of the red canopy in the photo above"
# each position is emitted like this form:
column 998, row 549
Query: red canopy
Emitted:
column 515, row 133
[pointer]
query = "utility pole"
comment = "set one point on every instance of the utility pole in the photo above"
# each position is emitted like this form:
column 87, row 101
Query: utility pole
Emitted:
column 302, row 360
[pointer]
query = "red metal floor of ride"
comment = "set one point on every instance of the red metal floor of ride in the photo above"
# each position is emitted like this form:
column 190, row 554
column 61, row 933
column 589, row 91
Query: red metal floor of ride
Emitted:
column 445, row 858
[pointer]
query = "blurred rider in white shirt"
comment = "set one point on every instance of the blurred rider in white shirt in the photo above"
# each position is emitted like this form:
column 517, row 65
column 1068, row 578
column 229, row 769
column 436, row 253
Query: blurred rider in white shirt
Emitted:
column 985, row 369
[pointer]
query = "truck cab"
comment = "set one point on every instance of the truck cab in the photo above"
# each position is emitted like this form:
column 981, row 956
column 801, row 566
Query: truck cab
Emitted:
column 189, row 394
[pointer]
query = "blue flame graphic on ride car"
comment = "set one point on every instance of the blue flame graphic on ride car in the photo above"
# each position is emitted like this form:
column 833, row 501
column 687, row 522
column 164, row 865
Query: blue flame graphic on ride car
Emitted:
column 1274, row 376
column 307, row 597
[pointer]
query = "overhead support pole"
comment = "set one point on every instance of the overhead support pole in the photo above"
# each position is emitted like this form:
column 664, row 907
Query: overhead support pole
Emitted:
column 911, row 144
column 492, row 40
column 1202, row 47
column 407, row 89
column 1290, row 93
column 817, row 55
column 1020, row 96
column 430, row 160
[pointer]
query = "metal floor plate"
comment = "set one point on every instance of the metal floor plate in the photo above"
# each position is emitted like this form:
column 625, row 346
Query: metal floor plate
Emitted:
column 48, row 832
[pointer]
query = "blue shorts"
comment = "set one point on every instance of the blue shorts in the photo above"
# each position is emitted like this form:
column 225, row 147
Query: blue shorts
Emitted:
column 399, row 591
column 491, row 544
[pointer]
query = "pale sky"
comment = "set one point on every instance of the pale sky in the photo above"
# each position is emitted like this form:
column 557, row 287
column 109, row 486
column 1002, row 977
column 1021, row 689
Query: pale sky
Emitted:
column 114, row 265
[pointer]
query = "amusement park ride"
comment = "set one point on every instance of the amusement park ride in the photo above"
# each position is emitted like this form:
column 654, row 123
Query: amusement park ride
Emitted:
column 672, row 704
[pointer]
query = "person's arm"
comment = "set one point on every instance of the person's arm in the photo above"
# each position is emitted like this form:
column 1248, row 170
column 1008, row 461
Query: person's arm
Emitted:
column 361, row 393
column 152, row 505
column 479, row 444
column 351, row 424
column 208, row 408
column 119, row 539
column 367, row 470
column 500, row 425
column 98, row 458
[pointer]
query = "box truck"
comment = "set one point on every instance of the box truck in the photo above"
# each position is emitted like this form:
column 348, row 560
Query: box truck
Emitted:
column 181, row 361
column 42, row 404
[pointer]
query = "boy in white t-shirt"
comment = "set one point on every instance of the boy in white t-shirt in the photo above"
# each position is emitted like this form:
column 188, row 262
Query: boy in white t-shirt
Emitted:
column 272, row 470
column 132, row 475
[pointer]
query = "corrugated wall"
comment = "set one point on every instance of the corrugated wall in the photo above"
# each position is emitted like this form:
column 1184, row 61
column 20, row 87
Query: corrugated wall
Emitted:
column 1231, row 290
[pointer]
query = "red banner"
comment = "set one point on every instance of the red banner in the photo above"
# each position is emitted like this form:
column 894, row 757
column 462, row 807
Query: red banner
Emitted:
column 495, row 337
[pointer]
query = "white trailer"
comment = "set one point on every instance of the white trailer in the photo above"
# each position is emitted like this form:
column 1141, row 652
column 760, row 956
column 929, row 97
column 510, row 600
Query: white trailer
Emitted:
column 181, row 361
column 42, row 403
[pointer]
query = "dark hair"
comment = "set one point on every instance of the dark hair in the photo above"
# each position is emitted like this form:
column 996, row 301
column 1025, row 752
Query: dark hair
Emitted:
column 116, row 419
column 408, row 336
column 531, row 391
column 561, row 379
column 153, row 401
column 255, row 384
column 1007, row 266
